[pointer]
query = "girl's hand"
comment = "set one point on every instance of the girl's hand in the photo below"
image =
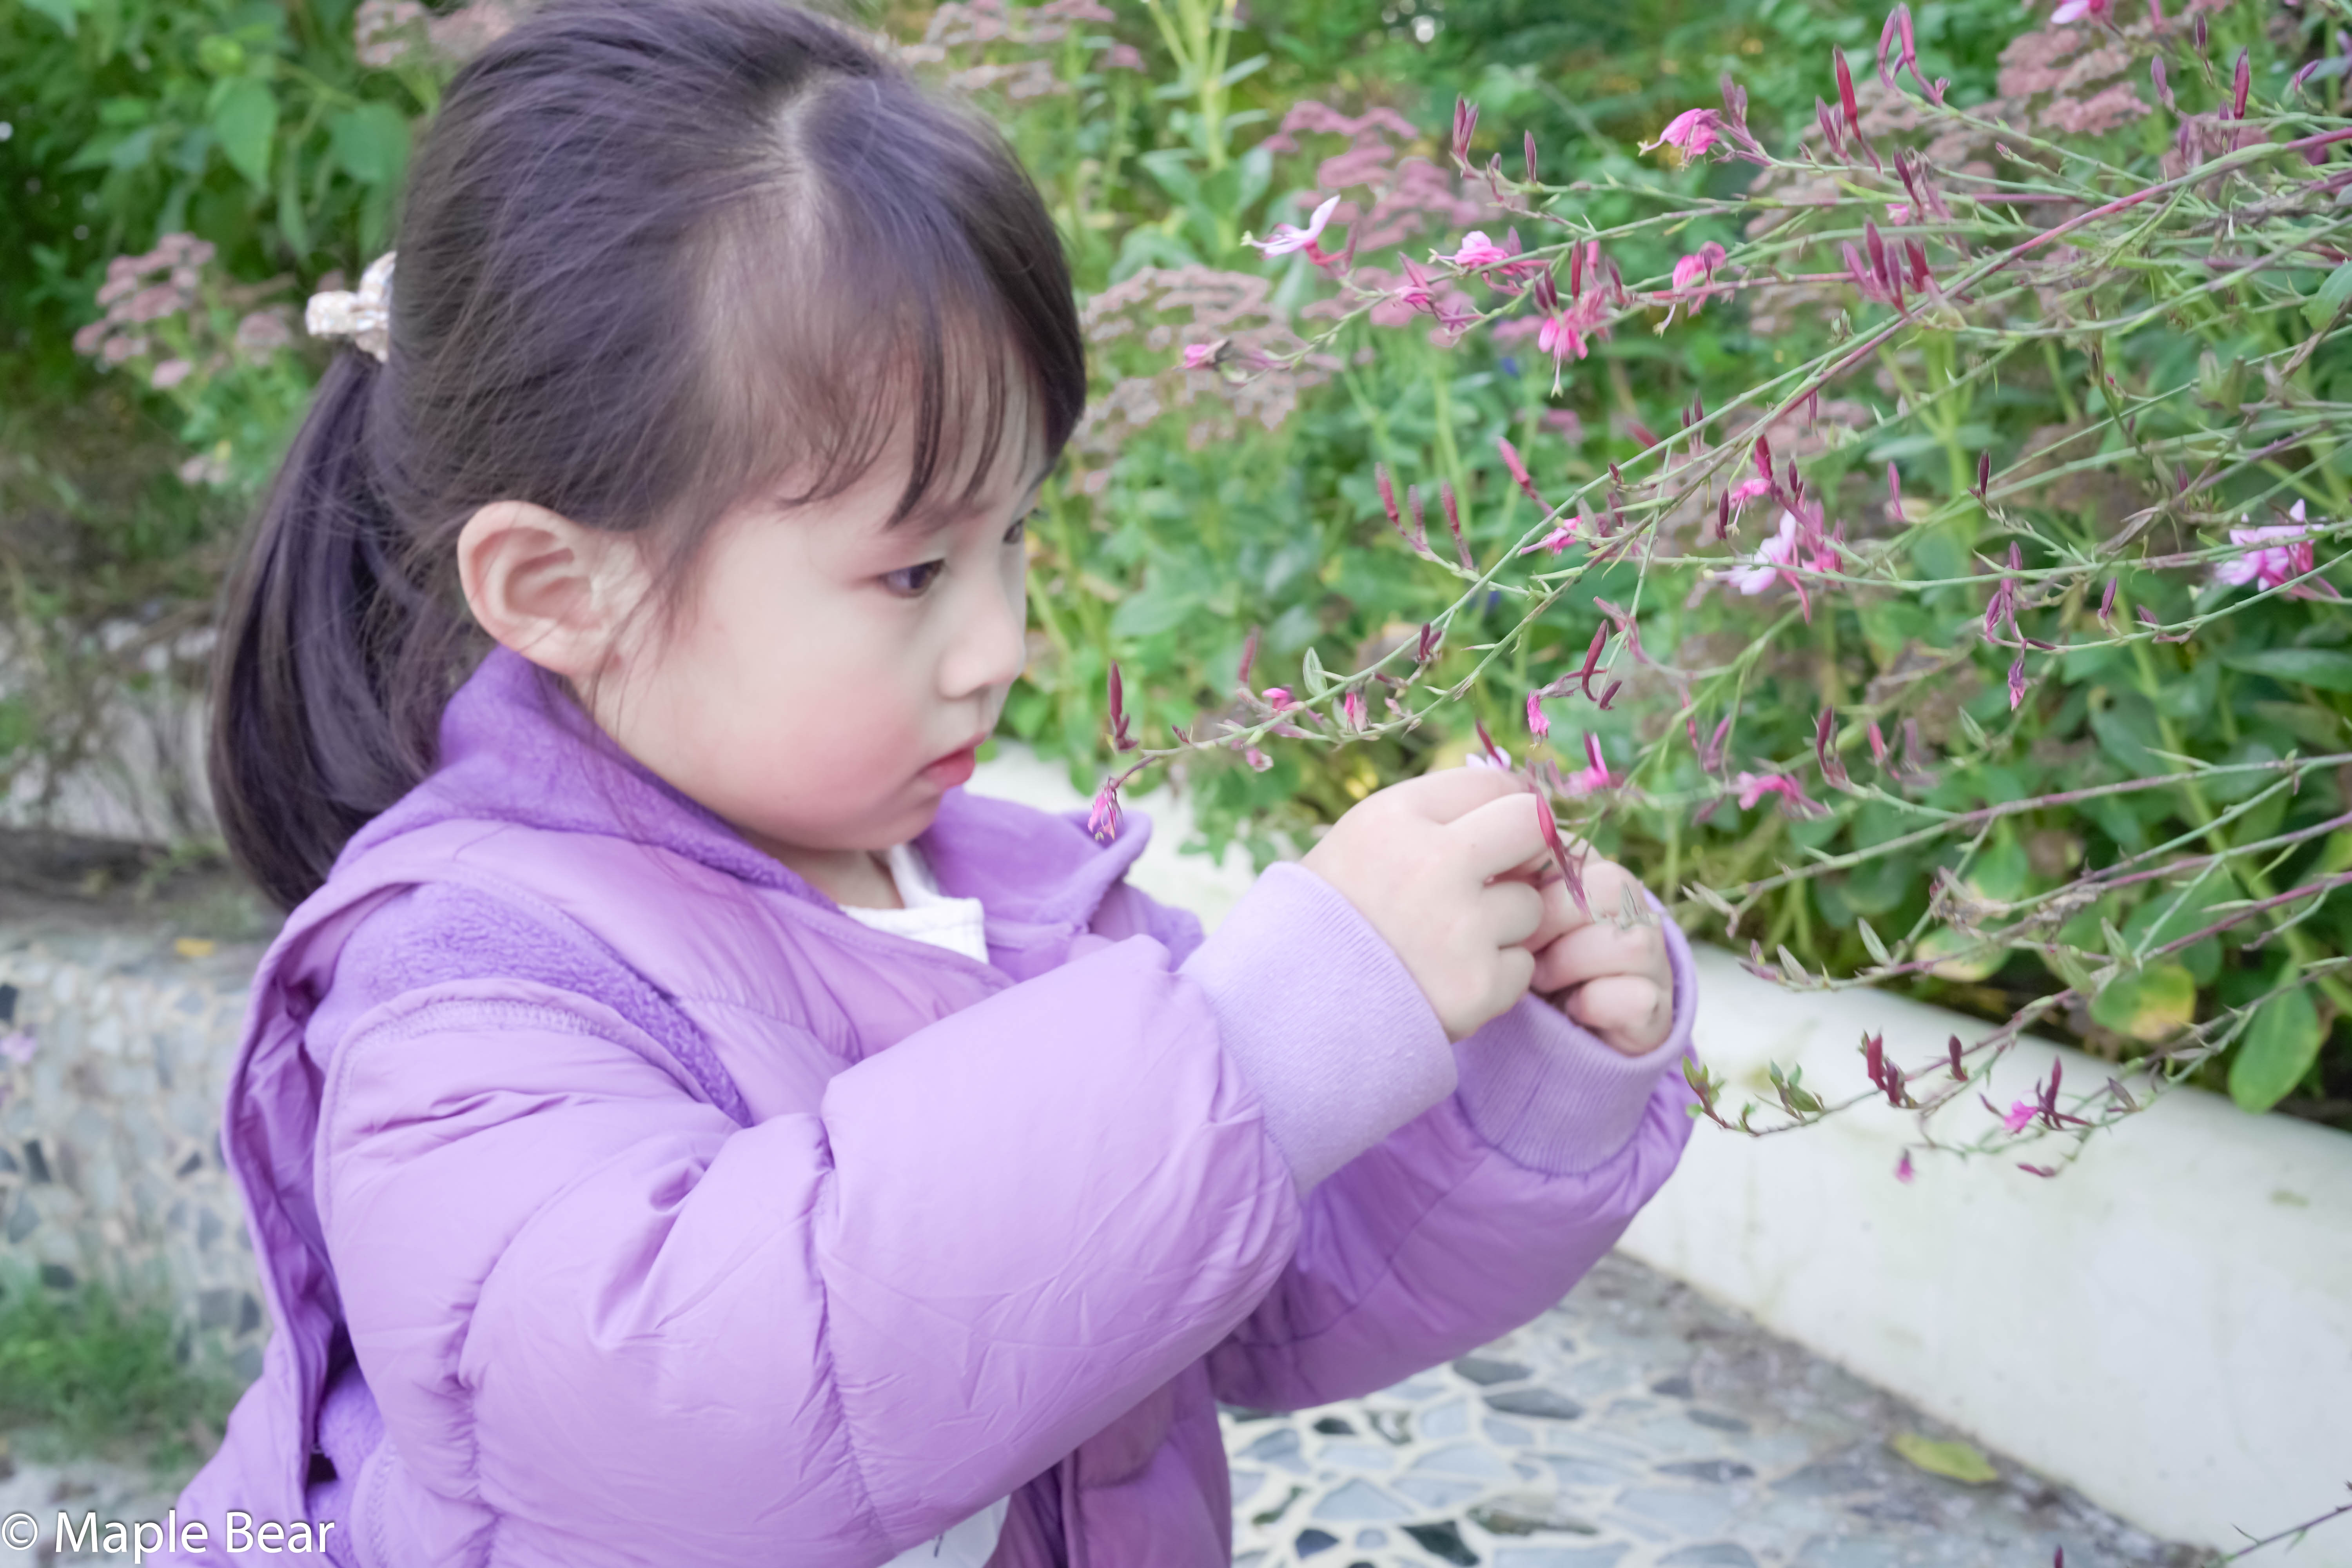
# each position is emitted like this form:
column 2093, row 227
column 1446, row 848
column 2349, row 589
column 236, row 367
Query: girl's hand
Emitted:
column 1609, row 970
column 1439, row 866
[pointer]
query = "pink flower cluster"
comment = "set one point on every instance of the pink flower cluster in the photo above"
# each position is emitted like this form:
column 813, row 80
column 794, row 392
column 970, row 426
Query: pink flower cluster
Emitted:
column 2276, row 556
column 387, row 35
column 1798, row 546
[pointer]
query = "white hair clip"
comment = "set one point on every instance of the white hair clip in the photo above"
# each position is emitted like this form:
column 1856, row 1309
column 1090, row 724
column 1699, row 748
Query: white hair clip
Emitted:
column 365, row 317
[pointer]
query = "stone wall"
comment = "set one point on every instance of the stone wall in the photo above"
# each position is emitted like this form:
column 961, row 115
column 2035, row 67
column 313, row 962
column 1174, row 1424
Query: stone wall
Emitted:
column 116, row 1050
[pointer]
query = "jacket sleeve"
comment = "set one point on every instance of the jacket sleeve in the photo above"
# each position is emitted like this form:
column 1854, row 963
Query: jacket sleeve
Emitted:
column 1472, row 1218
column 590, row 1302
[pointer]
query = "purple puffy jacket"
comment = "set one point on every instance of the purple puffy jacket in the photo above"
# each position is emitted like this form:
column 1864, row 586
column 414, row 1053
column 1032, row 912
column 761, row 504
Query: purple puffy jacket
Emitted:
column 620, row 1201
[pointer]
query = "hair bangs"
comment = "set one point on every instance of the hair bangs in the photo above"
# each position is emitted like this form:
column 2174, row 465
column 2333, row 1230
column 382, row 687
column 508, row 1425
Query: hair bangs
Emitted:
column 873, row 290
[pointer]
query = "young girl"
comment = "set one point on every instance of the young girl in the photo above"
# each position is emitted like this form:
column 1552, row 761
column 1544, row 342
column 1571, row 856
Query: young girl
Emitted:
column 677, row 1124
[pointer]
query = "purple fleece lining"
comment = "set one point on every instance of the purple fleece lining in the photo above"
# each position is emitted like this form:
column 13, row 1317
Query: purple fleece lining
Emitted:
column 1343, row 1049
column 1548, row 1093
column 442, row 933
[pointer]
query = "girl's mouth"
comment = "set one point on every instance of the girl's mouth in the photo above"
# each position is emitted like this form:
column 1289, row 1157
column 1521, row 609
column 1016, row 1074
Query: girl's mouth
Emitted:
column 954, row 768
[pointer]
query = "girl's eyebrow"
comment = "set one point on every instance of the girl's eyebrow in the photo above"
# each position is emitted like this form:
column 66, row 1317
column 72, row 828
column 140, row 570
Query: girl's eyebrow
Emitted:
column 937, row 516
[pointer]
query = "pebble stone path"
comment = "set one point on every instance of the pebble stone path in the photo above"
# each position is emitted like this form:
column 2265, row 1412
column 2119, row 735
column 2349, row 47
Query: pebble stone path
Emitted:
column 1634, row 1425
column 1638, row 1425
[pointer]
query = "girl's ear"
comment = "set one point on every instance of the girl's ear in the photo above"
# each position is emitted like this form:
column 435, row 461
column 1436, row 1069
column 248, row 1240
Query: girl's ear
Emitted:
column 548, row 589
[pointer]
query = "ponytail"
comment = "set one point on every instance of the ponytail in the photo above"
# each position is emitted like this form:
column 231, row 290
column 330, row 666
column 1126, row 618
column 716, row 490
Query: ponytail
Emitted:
column 332, row 666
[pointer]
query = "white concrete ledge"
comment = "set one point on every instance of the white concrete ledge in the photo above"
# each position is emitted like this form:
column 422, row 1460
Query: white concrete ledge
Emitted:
column 2165, row 1327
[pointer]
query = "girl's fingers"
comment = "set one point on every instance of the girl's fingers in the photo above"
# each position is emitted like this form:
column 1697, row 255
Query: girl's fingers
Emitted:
column 1452, row 792
column 1496, row 838
column 1513, row 911
column 1513, row 970
column 1605, row 883
column 1628, row 1012
column 1590, row 951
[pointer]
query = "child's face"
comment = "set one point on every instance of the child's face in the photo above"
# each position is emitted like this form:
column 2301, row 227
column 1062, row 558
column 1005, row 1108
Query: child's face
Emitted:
column 828, row 678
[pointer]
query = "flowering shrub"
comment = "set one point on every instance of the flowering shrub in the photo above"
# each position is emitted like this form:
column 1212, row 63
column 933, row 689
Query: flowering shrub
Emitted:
column 206, row 343
column 180, row 176
column 1913, row 540
column 1904, row 522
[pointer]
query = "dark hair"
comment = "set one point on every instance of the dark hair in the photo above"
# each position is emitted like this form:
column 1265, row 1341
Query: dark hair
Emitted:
column 654, row 255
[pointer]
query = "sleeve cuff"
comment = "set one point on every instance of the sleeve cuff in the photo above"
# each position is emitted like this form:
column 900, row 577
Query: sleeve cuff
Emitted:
column 1324, row 1018
column 1550, row 1095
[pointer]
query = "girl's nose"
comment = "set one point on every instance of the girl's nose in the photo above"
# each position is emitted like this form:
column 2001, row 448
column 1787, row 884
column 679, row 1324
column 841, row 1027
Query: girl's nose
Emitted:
column 991, row 639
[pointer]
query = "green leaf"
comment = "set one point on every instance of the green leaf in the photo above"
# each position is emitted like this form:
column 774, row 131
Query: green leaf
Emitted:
column 61, row 12
column 2127, row 732
column 1168, row 166
column 134, row 150
column 2330, row 298
column 1870, row 940
column 2278, row 1049
column 1257, row 63
column 1954, row 955
column 2314, row 726
column 2149, row 1005
column 245, row 121
column 293, row 223
column 2003, row 871
column 1311, row 669
column 2323, row 668
column 1161, row 607
column 1958, row 1461
column 371, row 143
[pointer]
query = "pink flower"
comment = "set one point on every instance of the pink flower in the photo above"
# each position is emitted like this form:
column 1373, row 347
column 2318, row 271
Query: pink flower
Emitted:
column 1278, row 697
column 1748, row 489
column 1698, row 265
column 2070, row 12
column 1773, row 557
column 1287, row 237
column 1538, row 725
column 1477, row 250
column 1415, row 294
column 1903, row 1172
column 1480, row 760
column 1691, row 133
column 1558, row 540
column 19, row 1047
column 1754, row 788
column 2018, row 1113
column 1103, row 820
column 2276, row 556
column 1200, row 356
column 1258, row 761
column 168, row 375
column 1596, row 774
column 1560, row 338
column 1351, row 708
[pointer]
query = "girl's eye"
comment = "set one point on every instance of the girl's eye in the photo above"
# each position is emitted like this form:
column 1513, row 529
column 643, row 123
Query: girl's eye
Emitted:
column 1019, row 531
column 912, row 580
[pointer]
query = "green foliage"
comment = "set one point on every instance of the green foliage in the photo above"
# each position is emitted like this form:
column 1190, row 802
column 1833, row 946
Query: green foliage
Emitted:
column 180, row 174
column 1173, row 543
column 99, row 1374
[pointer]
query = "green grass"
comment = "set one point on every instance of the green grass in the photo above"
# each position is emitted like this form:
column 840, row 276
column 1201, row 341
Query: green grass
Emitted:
column 87, row 1373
